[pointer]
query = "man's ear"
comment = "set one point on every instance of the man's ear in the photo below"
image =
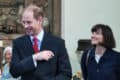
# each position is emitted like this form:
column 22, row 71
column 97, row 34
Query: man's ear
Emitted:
column 40, row 18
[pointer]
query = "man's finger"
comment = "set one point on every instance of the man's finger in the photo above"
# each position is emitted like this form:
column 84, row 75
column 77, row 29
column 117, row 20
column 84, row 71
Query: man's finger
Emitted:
column 52, row 54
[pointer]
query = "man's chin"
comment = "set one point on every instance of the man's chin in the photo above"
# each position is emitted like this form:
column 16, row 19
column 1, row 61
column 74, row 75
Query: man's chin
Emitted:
column 29, row 33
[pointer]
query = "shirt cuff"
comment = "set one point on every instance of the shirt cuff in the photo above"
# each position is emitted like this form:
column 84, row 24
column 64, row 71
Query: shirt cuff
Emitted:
column 34, row 61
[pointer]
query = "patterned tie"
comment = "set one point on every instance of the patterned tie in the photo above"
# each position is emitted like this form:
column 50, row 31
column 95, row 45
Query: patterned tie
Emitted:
column 35, row 45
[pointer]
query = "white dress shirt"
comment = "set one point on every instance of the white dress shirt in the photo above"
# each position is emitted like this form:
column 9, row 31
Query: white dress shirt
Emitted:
column 40, row 38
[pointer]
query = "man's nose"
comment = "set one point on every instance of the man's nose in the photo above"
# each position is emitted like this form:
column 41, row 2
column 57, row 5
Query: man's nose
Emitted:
column 25, row 25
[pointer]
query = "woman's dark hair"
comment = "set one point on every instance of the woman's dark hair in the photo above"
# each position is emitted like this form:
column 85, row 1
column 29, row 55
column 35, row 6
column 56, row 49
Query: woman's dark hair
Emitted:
column 108, row 38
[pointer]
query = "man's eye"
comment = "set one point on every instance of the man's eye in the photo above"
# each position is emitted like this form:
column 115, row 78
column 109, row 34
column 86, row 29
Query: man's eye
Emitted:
column 28, row 22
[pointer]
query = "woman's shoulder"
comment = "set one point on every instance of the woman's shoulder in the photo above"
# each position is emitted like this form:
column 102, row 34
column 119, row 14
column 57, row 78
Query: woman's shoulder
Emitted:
column 5, row 67
column 112, row 51
column 115, row 54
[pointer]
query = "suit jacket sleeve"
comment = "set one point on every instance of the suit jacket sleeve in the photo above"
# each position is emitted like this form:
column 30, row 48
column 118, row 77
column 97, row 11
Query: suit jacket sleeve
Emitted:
column 19, row 67
column 64, row 67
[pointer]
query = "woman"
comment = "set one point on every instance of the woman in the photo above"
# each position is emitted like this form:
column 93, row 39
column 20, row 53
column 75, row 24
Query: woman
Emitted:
column 101, row 62
column 7, row 54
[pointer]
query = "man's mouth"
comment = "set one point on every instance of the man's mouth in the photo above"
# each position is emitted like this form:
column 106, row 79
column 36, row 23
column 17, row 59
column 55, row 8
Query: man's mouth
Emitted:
column 28, row 30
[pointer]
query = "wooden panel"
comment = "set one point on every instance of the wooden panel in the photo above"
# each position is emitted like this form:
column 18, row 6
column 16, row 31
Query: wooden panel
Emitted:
column 1, row 56
column 57, row 17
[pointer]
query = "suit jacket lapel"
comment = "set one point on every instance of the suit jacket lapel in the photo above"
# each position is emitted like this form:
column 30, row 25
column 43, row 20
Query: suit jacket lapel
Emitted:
column 28, row 44
column 44, row 42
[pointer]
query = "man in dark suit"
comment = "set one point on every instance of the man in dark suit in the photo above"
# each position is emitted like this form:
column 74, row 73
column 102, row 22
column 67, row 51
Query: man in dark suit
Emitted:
column 39, row 55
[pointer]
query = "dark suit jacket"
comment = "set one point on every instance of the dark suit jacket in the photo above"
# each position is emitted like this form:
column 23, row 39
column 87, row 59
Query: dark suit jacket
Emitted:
column 57, row 68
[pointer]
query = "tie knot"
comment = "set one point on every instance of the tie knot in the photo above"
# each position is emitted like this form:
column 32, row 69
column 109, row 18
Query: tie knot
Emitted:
column 35, row 39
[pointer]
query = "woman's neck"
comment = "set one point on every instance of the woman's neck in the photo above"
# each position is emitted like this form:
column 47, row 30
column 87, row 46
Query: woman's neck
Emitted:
column 100, row 50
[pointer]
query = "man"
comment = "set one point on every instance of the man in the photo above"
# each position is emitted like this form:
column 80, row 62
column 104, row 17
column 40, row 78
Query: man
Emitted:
column 39, row 55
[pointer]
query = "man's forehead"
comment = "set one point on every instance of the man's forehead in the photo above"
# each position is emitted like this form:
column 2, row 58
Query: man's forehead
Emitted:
column 27, row 14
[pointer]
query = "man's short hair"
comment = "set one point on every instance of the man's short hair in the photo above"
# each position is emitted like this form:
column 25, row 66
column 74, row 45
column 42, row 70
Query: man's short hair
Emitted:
column 37, row 10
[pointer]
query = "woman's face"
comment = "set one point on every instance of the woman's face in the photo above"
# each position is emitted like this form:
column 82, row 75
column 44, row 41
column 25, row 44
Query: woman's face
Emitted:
column 8, row 56
column 97, row 37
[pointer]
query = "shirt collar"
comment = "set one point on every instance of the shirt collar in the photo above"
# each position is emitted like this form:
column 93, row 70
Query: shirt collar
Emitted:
column 39, row 36
column 105, row 55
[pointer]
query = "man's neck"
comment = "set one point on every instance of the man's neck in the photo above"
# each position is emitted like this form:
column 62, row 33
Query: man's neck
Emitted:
column 36, row 34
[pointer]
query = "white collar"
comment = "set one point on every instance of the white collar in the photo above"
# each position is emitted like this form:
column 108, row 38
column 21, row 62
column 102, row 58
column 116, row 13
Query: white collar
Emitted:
column 39, row 36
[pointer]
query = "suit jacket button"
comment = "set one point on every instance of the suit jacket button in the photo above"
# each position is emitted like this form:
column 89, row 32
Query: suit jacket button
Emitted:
column 98, row 70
